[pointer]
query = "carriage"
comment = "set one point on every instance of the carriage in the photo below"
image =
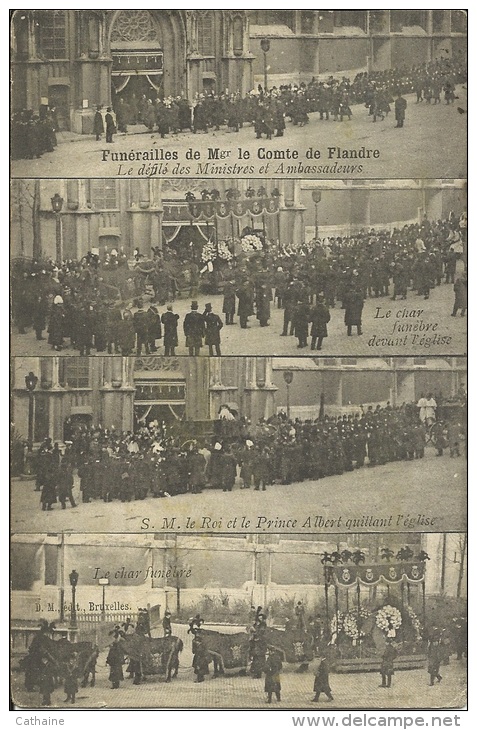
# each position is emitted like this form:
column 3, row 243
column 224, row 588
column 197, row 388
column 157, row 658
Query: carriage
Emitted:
column 233, row 651
column 153, row 656
column 448, row 412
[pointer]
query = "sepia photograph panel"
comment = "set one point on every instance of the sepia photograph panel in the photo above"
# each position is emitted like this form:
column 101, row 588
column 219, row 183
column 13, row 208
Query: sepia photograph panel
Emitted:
column 375, row 621
column 261, row 444
column 268, row 267
column 299, row 93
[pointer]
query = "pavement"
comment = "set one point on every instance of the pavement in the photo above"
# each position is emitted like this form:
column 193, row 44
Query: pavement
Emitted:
column 434, row 331
column 425, row 495
column 432, row 144
column 351, row 691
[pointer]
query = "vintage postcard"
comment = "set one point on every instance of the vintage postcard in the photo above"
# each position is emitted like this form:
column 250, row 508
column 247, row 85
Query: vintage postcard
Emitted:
column 238, row 280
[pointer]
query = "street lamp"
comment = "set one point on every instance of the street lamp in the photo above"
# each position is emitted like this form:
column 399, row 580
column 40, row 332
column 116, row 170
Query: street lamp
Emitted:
column 30, row 382
column 265, row 46
column 316, row 195
column 57, row 206
column 73, row 583
column 103, row 582
column 288, row 378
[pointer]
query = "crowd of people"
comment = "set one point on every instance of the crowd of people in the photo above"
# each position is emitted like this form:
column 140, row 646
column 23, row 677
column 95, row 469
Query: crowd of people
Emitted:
column 155, row 461
column 42, row 670
column 113, row 305
column 266, row 109
column 33, row 134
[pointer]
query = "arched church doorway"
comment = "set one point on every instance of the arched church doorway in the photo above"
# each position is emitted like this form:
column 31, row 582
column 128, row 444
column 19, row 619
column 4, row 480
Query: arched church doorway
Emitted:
column 147, row 49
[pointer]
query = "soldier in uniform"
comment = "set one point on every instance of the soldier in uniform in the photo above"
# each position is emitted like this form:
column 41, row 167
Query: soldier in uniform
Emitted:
column 213, row 325
column 194, row 329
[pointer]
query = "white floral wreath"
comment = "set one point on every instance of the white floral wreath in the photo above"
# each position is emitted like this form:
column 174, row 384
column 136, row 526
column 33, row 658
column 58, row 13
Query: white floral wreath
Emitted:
column 251, row 243
column 387, row 617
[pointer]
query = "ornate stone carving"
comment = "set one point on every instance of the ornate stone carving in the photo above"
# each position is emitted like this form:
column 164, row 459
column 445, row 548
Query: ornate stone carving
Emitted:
column 134, row 26
column 157, row 363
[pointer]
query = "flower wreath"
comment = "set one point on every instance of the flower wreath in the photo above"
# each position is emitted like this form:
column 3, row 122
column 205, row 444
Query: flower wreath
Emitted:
column 251, row 243
column 387, row 616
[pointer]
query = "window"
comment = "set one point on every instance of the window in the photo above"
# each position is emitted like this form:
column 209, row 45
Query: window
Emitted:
column 74, row 372
column 228, row 372
column 274, row 17
column 52, row 30
column 438, row 18
column 401, row 19
column 350, row 18
column 205, row 34
column 238, row 36
column 307, row 22
column 458, row 21
column 378, row 21
column 103, row 193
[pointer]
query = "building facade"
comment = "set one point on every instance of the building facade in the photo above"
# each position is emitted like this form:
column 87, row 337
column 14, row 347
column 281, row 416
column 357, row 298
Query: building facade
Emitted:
column 126, row 392
column 255, row 570
column 104, row 214
column 77, row 59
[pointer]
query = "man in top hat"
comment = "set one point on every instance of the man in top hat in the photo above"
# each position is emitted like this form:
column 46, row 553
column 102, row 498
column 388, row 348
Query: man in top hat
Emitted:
column 169, row 319
column 213, row 325
column 98, row 124
column 194, row 329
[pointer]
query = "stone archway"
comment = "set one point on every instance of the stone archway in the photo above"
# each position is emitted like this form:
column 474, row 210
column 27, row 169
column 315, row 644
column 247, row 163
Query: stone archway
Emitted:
column 148, row 52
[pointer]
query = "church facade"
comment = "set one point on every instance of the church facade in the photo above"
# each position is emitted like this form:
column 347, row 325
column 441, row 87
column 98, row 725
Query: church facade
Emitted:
column 75, row 60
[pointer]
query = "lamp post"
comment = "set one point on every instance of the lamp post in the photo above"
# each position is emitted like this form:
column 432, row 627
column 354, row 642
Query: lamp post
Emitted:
column 288, row 378
column 73, row 583
column 57, row 206
column 265, row 46
column 103, row 582
column 316, row 195
column 30, row 382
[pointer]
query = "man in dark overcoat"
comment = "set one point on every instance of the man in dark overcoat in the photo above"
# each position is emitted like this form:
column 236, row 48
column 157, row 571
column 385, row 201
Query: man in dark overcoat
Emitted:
column 194, row 329
column 387, row 664
column 169, row 319
column 98, row 124
column 245, row 305
column 353, row 303
column 213, row 325
column 322, row 680
column 400, row 106
column 319, row 318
